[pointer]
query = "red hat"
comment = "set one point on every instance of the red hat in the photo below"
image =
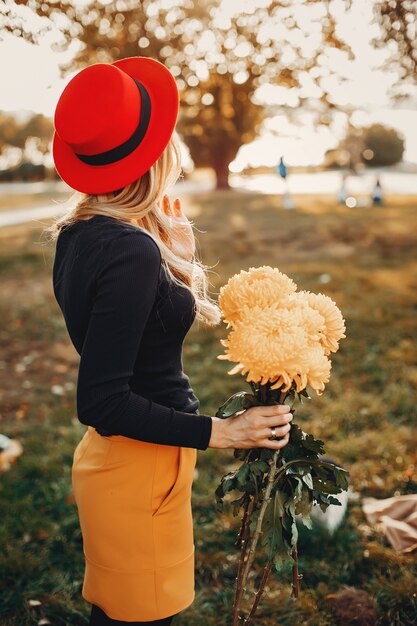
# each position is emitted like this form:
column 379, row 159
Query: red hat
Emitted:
column 112, row 123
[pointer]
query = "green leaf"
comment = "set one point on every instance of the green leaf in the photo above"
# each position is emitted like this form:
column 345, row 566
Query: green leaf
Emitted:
column 266, row 454
column 334, row 501
column 258, row 467
column 298, row 487
column 219, row 491
column 308, row 480
column 324, row 501
column 295, row 448
column 250, row 400
column 227, row 483
column 315, row 445
column 219, row 505
column 320, row 471
column 242, row 475
column 241, row 453
column 341, row 476
column 267, row 525
column 236, row 504
column 304, row 505
column 325, row 486
column 299, row 469
column 273, row 528
column 307, row 521
column 283, row 557
column 294, row 533
column 289, row 508
column 277, row 538
column 235, row 403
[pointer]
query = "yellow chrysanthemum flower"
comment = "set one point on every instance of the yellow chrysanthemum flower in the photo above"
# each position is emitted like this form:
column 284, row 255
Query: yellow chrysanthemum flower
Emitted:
column 334, row 324
column 279, row 335
column 312, row 320
column 265, row 344
column 262, row 286
column 319, row 366
column 313, row 369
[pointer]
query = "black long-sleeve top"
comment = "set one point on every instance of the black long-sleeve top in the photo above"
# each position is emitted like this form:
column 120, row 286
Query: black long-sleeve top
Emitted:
column 127, row 320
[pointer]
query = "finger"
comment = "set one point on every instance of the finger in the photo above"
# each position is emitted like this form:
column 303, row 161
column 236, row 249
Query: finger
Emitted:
column 177, row 207
column 179, row 213
column 280, row 431
column 277, row 420
column 166, row 205
column 274, row 409
column 262, row 421
column 275, row 444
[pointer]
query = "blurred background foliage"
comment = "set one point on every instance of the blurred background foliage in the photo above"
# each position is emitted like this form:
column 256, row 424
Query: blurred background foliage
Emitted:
column 218, row 62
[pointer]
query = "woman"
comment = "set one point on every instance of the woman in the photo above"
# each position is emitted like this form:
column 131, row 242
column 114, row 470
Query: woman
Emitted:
column 129, row 286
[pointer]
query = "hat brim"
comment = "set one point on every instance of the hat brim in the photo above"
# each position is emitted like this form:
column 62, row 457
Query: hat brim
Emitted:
column 164, row 96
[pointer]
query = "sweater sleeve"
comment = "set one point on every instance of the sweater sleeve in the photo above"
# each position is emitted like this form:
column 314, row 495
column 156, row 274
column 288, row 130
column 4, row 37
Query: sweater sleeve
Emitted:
column 126, row 287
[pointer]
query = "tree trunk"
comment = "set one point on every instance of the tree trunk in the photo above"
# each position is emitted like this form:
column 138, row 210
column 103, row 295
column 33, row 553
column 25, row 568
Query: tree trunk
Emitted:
column 221, row 169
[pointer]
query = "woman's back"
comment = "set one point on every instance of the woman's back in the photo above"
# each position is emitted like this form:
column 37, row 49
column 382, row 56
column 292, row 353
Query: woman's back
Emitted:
column 127, row 319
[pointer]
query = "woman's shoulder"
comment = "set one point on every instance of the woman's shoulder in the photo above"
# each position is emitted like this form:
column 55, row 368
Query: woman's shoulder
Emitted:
column 105, row 243
column 131, row 237
column 124, row 246
column 111, row 232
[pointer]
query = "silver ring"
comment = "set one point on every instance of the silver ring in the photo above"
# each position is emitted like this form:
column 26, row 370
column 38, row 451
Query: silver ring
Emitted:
column 273, row 432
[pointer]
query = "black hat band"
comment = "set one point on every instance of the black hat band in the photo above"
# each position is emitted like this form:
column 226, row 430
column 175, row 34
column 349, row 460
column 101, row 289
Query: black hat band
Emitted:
column 127, row 147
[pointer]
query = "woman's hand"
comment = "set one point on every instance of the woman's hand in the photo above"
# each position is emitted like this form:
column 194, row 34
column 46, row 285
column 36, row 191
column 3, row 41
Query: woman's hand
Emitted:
column 181, row 235
column 252, row 428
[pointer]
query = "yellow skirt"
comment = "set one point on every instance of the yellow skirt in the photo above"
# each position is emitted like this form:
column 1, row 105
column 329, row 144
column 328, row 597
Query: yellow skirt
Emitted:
column 134, row 507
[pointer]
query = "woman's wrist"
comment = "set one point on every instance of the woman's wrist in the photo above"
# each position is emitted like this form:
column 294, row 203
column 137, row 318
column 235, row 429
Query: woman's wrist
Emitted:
column 217, row 439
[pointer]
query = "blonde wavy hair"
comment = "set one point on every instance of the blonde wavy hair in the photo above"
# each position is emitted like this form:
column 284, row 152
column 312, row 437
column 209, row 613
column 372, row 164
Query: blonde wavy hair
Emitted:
column 139, row 204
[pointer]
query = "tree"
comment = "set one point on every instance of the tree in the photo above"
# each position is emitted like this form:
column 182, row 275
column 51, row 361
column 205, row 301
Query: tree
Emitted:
column 372, row 145
column 219, row 62
column 383, row 145
column 398, row 23
column 40, row 130
column 9, row 129
column 37, row 131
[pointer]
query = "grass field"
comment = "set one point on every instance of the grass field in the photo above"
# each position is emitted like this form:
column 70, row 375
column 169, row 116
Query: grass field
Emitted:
column 366, row 260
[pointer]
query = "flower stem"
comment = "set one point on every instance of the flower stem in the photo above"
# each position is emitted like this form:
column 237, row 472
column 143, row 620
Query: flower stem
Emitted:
column 243, row 524
column 266, row 572
column 265, row 501
column 295, row 575
column 246, row 565
column 245, row 531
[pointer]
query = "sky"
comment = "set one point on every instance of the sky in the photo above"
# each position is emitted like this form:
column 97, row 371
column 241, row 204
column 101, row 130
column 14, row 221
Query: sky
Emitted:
column 33, row 81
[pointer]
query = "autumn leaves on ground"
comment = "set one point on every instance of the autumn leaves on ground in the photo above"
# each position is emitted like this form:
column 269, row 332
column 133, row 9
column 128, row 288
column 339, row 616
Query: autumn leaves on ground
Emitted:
column 366, row 260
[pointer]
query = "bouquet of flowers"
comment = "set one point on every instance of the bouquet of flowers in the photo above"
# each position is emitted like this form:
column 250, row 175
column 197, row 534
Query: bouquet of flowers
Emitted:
column 280, row 339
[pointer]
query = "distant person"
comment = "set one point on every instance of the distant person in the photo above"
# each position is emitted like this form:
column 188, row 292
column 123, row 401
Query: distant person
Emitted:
column 282, row 168
column 342, row 193
column 287, row 201
column 377, row 193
